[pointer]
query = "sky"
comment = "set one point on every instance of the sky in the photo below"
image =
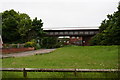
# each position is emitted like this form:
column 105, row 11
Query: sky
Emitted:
column 64, row 13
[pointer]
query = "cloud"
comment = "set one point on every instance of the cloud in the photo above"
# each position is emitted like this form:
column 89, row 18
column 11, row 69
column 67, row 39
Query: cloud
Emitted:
column 64, row 13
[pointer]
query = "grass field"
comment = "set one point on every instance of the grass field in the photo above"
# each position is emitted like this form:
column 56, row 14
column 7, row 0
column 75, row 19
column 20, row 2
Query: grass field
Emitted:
column 87, row 57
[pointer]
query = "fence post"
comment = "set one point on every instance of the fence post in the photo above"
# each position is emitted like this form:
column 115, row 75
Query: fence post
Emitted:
column 75, row 73
column 24, row 73
column 18, row 45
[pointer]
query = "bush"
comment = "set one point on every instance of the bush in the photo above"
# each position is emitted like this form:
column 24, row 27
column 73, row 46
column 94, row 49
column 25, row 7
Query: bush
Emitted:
column 33, row 43
column 37, row 46
column 14, row 46
column 51, row 42
column 5, row 45
column 59, row 44
column 30, row 44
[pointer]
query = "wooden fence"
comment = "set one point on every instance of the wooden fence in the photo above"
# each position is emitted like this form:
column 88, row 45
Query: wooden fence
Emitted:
column 13, row 45
column 25, row 70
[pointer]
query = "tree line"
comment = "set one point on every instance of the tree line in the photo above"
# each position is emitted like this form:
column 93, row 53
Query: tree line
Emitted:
column 20, row 28
column 109, row 30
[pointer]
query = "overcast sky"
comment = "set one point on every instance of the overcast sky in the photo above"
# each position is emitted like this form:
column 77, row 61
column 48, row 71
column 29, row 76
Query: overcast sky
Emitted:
column 64, row 13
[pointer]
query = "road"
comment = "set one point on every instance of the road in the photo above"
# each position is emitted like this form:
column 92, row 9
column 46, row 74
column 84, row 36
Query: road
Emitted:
column 28, row 53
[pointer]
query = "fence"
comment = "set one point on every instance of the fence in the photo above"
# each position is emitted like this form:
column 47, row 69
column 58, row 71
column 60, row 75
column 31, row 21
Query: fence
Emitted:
column 13, row 45
column 25, row 70
column 19, row 45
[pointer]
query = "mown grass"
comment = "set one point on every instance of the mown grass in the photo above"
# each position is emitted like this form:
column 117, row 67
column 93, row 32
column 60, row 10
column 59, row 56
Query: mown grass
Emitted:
column 87, row 57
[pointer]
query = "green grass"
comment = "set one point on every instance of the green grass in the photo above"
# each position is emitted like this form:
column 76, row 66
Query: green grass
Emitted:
column 87, row 57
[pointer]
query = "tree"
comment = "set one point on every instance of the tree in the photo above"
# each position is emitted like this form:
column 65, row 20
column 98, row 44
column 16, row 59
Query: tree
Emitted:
column 24, row 26
column 109, row 30
column 36, row 31
column 18, row 27
column 9, row 26
column 0, row 23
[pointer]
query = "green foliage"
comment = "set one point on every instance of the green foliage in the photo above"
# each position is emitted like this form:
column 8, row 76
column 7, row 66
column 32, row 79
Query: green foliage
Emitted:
column 6, row 46
column 15, row 46
column 18, row 27
column 59, row 44
column 30, row 44
column 37, row 46
column 9, row 26
column 109, row 31
column 0, row 23
column 36, row 31
column 51, row 42
column 24, row 26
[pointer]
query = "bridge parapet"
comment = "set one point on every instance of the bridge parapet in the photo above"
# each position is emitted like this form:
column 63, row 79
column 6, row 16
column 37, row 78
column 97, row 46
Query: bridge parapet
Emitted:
column 88, row 32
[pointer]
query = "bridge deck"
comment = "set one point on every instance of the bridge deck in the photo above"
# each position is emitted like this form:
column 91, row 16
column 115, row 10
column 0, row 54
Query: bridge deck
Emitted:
column 81, row 32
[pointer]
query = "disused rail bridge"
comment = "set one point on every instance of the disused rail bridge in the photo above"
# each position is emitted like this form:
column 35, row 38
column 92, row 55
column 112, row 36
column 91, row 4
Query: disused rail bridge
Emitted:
column 76, row 35
column 74, row 32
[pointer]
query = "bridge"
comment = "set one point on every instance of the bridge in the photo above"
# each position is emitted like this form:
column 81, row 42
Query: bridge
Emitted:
column 79, row 36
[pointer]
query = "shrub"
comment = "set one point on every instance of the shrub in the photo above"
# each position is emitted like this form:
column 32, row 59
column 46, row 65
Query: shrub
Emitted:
column 30, row 44
column 5, row 45
column 37, row 46
column 14, row 46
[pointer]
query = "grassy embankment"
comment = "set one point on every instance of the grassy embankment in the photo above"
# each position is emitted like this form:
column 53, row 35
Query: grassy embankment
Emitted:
column 87, row 57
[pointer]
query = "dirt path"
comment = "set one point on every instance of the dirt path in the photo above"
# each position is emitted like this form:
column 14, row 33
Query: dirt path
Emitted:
column 27, row 53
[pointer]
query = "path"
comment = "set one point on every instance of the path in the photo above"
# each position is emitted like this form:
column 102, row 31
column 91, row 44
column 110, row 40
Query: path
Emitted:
column 27, row 53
